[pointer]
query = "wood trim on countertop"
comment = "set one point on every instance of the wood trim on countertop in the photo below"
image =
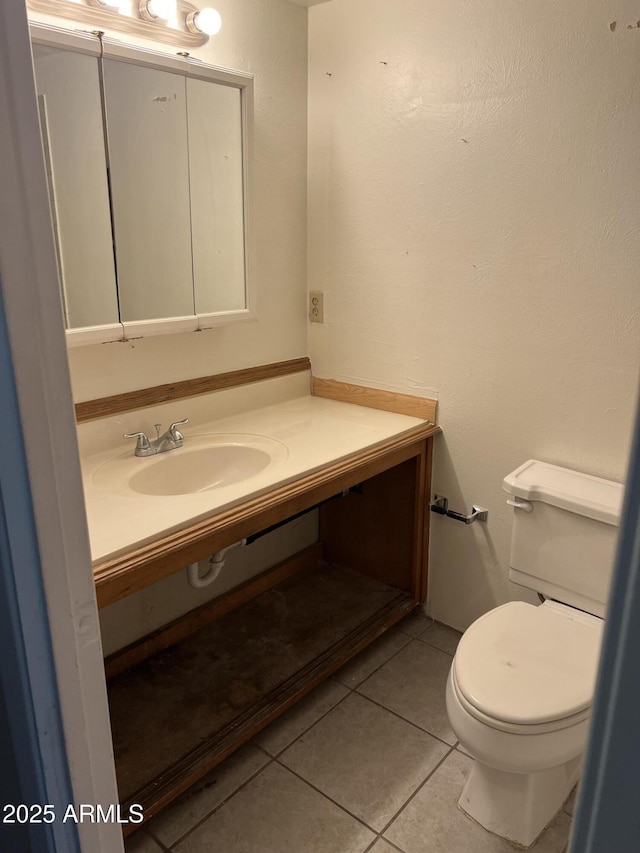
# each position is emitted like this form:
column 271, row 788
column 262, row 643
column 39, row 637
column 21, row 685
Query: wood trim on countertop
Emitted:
column 133, row 570
column 115, row 405
column 376, row 398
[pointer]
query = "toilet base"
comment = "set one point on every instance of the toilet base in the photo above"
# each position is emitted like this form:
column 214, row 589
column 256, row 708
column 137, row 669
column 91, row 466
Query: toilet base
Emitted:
column 517, row 806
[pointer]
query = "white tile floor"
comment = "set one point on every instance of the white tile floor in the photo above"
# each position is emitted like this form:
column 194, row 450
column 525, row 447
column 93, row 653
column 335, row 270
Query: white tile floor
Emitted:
column 367, row 762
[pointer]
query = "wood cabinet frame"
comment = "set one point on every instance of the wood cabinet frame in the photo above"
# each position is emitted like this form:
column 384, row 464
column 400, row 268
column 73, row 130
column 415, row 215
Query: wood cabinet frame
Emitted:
column 377, row 531
column 380, row 530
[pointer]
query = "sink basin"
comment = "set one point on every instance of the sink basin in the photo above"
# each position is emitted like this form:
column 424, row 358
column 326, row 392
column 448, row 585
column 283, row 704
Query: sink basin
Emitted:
column 199, row 469
column 203, row 463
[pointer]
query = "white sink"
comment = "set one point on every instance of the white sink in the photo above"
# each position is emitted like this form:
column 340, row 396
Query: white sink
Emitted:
column 204, row 462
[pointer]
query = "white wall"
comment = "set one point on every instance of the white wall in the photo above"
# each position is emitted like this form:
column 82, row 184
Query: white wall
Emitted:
column 267, row 38
column 474, row 203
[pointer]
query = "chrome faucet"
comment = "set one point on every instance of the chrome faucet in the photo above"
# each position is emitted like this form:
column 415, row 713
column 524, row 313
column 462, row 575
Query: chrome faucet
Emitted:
column 169, row 440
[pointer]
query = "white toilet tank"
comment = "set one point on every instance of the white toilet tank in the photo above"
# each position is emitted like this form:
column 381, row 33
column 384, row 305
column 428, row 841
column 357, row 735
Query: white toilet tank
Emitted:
column 565, row 530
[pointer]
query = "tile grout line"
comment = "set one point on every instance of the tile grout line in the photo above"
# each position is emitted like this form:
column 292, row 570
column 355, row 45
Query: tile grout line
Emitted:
column 395, row 654
column 384, row 663
column 405, row 720
column 355, row 690
column 433, row 646
column 415, row 793
column 272, row 759
column 209, row 814
column 297, row 737
column 432, row 624
column 327, row 797
column 391, row 844
column 415, row 636
column 276, row 758
column 386, row 841
column 258, row 746
column 160, row 844
column 340, row 701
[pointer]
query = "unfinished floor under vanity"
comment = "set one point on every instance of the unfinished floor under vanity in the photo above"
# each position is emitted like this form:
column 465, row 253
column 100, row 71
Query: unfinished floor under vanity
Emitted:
column 185, row 708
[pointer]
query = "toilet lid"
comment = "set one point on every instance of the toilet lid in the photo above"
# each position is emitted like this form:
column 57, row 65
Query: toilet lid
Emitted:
column 524, row 664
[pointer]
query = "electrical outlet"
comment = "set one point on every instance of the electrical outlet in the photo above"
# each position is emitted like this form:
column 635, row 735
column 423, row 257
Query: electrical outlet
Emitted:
column 316, row 306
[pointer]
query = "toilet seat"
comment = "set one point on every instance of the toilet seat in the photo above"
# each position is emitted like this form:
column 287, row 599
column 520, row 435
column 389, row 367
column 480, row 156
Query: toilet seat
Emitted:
column 517, row 728
column 527, row 669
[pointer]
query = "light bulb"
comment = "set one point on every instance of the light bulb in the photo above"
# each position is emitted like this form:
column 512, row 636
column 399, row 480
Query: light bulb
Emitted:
column 165, row 9
column 207, row 21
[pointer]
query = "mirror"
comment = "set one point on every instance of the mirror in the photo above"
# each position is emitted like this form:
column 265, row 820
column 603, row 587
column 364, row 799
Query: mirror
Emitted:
column 71, row 125
column 147, row 160
column 146, row 114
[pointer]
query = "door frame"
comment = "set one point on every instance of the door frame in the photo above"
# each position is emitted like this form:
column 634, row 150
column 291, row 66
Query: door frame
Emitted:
column 37, row 345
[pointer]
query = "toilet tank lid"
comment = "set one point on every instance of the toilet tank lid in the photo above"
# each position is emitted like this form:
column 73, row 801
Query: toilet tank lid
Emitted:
column 581, row 493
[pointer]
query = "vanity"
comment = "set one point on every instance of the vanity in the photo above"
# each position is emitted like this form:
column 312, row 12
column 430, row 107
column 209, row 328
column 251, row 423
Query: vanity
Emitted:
column 190, row 693
column 153, row 229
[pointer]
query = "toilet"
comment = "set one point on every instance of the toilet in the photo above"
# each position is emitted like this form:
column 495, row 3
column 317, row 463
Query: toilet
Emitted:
column 521, row 685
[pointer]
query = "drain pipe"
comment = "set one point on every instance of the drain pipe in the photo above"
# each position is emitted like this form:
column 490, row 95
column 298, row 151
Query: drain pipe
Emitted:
column 214, row 567
column 217, row 561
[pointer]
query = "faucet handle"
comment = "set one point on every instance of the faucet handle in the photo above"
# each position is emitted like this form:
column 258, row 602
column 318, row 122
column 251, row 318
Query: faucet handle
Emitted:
column 175, row 434
column 142, row 442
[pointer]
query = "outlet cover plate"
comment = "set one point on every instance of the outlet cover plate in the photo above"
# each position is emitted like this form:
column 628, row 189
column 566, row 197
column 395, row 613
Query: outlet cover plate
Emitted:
column 316, row 306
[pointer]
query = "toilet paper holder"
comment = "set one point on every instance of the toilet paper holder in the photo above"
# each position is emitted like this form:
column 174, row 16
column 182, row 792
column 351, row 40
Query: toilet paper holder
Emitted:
column 440, row 505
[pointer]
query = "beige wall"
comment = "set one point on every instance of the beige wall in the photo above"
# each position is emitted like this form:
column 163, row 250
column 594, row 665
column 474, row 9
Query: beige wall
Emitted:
column 267, row 38
column 474, row 203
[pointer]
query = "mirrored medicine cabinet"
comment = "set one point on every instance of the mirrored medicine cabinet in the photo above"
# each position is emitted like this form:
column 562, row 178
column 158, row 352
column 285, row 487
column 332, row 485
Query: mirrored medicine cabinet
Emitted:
column 147, row 159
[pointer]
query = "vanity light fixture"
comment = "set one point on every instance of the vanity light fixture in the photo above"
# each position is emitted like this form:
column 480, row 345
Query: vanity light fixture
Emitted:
column 151, row 10
column 207, row 21
column 177, row 22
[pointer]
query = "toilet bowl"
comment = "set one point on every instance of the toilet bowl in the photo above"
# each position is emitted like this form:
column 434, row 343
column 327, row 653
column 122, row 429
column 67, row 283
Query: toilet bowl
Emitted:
column 519, row 697
column 521, row 685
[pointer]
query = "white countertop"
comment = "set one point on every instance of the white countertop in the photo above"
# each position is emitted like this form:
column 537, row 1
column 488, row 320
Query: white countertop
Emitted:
column 311, row 432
